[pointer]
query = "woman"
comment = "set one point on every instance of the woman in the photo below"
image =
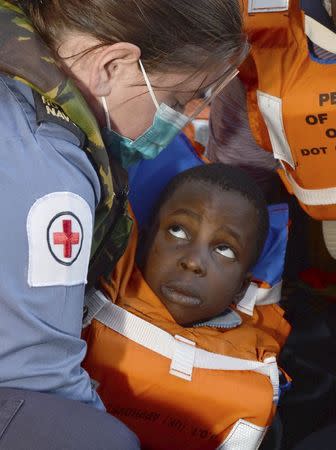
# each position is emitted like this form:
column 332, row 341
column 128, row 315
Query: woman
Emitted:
column 84, row 86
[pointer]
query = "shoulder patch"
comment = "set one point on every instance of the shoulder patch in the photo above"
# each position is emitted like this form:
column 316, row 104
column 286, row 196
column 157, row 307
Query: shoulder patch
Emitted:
column 46, row 111
column 59, row 228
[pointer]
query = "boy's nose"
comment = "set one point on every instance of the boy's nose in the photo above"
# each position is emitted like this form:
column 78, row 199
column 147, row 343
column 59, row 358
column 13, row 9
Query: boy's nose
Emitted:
column 193, row 263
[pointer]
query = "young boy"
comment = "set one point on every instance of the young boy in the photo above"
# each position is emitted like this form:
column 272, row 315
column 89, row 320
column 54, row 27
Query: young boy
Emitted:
column 207, row 232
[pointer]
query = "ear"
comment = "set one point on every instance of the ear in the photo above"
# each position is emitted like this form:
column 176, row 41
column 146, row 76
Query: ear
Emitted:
column 244, row 286
column 111, row 64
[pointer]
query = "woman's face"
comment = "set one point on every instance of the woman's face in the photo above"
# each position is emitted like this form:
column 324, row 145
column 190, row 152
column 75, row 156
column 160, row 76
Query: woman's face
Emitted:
column 131, row 106
column 114, row 72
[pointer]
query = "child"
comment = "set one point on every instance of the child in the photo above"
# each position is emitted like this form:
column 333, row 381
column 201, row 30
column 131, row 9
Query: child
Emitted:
column 207, row 232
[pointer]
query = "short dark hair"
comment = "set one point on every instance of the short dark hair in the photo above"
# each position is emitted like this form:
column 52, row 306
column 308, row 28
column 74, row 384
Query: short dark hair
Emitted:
column 226, row 178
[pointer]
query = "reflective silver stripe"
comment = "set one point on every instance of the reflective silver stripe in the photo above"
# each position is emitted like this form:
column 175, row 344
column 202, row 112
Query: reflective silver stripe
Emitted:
column 271, row 109
column 260, row 6
column 244, row 436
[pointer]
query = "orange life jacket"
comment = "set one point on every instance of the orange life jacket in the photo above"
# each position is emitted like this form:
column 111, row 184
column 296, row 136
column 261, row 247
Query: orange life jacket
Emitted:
column 292, row 100
column 182, row 388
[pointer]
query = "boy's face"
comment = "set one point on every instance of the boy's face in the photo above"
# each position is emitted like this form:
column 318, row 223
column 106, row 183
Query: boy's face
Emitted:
column 198, row 259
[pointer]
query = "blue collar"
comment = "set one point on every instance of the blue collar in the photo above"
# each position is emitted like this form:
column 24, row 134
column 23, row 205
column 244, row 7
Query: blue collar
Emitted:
column 229, row 319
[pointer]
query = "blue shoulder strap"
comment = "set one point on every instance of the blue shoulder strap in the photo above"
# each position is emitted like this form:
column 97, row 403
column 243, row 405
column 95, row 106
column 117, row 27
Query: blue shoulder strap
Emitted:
column 270, row 265
column 149, row 177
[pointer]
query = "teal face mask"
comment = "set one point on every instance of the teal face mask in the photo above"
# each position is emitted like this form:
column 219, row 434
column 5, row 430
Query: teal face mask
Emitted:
column 167, row 123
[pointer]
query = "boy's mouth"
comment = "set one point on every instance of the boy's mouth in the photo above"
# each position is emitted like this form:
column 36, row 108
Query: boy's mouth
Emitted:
column 180, row 294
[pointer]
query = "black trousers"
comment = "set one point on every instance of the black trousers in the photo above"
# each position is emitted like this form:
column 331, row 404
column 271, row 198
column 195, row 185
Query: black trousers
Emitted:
column 323, row 439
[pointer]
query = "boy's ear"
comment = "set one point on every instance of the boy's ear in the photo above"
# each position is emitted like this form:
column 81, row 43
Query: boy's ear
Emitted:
column 242, row 291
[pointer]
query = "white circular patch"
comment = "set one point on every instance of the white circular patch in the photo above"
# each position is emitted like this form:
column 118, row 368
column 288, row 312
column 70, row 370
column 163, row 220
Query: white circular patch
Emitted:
column 65, row 237
column 59, row 231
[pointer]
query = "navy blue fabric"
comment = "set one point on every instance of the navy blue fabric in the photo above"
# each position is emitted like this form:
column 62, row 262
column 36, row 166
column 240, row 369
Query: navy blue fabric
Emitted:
column 35, row 421
column 316, row 10
column 270, row 266
column 148, row 178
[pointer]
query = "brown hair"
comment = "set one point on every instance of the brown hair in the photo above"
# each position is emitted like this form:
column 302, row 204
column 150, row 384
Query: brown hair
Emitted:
column 172, row 34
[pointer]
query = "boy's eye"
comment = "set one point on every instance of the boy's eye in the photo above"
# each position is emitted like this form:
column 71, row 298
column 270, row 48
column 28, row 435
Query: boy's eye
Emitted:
column 177, row 232
column 225, row 251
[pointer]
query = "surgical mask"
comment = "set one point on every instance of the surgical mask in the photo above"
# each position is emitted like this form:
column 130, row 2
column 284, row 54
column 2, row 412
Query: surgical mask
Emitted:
column 167, row 123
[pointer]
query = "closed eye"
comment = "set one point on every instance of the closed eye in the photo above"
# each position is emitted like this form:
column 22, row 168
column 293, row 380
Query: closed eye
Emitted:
column 178, row 232
column 225, row 251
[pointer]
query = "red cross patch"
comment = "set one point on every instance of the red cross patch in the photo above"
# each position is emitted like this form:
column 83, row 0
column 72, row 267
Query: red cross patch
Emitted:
column 65, row 237
column 59, row 231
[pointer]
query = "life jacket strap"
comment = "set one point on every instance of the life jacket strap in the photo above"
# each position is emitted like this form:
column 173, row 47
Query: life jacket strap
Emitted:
column 325, row 196
column 257, row 296
column 184, row 354
column 271, row 109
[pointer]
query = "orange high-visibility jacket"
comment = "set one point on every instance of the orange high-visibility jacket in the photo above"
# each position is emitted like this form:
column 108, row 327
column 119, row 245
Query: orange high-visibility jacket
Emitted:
column 182, row 388
column 292, row 99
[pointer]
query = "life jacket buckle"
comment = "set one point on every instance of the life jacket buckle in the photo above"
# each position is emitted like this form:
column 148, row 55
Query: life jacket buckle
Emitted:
column 183, row 358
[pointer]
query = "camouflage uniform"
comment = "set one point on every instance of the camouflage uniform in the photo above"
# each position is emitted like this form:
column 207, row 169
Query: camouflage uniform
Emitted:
column 24, row 56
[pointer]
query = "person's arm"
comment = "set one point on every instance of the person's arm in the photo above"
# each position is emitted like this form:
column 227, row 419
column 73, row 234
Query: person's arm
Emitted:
column 231, row 140
column 48, row 194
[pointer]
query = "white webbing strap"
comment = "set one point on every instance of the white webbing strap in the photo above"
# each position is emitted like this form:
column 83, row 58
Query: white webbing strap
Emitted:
column 182, row 352
column 325, row 196
column 259, row 296
column 94, row 301
column 183, row 358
